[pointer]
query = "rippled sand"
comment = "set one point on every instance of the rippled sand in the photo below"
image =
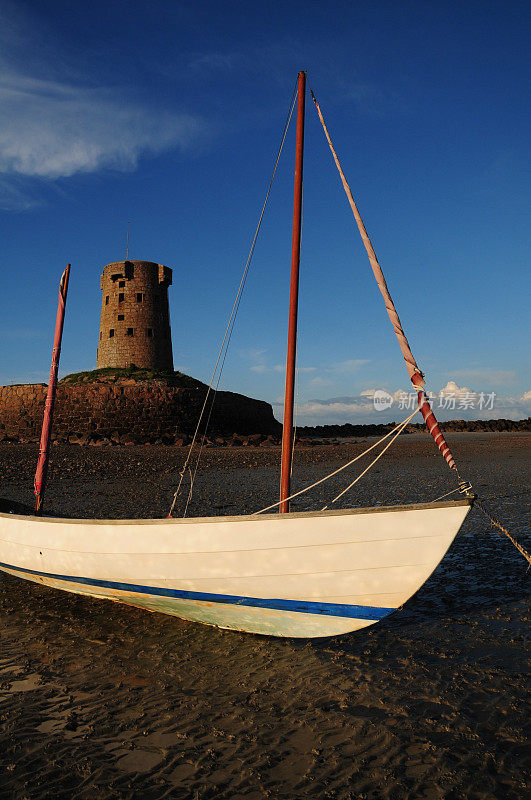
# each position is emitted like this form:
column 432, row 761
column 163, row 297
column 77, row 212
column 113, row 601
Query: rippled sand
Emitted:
column 99, row 700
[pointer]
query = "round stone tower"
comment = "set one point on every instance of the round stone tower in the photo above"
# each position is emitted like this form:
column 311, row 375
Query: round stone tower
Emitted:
column 135, row 318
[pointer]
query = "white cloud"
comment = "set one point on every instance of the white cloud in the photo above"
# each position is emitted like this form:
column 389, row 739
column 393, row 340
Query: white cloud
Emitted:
column 450, row 402
column 55, row 124
column 54, row 130
column 452, row 388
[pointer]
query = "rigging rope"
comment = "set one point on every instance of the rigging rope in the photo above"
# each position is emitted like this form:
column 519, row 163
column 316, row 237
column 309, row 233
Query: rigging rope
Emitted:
column 401, row 425
column 222, row 354
column 399, row 430
column 416, row 376
column 457, row 489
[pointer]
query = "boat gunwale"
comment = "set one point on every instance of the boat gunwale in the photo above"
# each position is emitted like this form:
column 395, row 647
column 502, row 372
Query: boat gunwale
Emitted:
column 245, row 517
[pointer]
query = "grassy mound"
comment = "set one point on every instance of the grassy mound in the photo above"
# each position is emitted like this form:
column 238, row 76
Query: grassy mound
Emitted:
column 132, row 373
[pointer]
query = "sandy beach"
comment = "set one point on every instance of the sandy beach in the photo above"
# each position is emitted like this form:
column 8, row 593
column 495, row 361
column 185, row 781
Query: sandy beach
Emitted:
column 99, row 701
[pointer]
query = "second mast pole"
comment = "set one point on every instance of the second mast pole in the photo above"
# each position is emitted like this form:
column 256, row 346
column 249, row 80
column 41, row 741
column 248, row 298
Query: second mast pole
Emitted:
column 287, row 433
column 44, row 447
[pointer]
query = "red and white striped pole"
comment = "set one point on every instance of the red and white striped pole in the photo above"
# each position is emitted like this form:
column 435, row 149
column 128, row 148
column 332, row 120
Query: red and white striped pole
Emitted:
column 42, row 463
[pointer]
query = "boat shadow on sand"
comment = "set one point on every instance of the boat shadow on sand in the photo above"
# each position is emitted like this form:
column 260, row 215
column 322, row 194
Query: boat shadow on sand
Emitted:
column 481, row 579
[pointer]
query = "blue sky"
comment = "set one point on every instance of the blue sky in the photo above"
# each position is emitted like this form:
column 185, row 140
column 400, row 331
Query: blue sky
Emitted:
column 169, row 114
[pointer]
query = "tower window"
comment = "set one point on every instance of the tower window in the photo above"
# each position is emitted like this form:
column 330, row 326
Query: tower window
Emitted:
column 101, row 334
column 130, row 332
column 121, row 284
column 121, row 297
column 139, row 297
column 149, row 332
column 120, row 317
column 107, row 300
column 111, row 333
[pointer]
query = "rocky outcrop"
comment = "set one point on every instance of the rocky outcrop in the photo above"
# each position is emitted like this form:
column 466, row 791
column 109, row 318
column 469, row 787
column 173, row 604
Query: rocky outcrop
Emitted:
column 482, row 425
column 129, row 411
column 340, row 431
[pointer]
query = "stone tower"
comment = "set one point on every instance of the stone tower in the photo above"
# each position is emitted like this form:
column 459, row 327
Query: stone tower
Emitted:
column 135, row 318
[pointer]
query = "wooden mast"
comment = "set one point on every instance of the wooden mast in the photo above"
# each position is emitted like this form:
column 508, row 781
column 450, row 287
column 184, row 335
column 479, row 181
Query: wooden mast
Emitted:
column 42, row 464
column 287, row 433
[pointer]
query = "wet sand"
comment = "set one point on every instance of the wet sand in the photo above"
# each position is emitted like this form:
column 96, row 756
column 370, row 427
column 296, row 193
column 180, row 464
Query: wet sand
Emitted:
column 102, row 701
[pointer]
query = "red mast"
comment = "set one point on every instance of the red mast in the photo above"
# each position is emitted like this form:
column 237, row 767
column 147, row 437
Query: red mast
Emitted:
column 287, row 434
column 42, row 464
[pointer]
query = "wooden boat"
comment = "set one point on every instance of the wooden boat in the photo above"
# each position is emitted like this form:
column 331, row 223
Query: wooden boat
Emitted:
column 296, row 574
column 285, row 574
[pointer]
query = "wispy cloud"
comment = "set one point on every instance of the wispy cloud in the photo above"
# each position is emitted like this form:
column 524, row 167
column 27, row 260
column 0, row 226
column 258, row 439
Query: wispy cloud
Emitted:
column 264, row 368
column 252, row 353
column 274, row 59
column 351, row 365
column 262, row 365
column 21, row 333
column 319, row 382
column 284, row 56
column 18, row 194
column 56, row 125
column 209, row 62
column 54, row 130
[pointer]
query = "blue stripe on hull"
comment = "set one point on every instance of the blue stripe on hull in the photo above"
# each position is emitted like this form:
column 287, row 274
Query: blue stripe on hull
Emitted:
column 302, row 606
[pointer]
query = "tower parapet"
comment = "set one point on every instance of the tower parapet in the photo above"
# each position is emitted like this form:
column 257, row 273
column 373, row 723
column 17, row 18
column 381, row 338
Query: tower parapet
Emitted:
column 135, row 317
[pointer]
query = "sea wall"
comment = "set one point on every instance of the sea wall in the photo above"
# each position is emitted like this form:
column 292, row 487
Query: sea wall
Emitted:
column 140, row 412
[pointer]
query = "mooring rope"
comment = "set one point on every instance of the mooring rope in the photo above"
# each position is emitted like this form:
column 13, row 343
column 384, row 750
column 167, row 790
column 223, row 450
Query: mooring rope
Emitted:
column 495, row 524
column 401, row 425
column 222, row 354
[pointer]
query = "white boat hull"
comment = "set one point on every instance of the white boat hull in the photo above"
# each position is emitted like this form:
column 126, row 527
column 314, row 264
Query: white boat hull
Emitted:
column 302, row 574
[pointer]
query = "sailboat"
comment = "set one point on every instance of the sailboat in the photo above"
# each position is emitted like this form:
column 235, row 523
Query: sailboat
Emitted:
column 284, row 573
